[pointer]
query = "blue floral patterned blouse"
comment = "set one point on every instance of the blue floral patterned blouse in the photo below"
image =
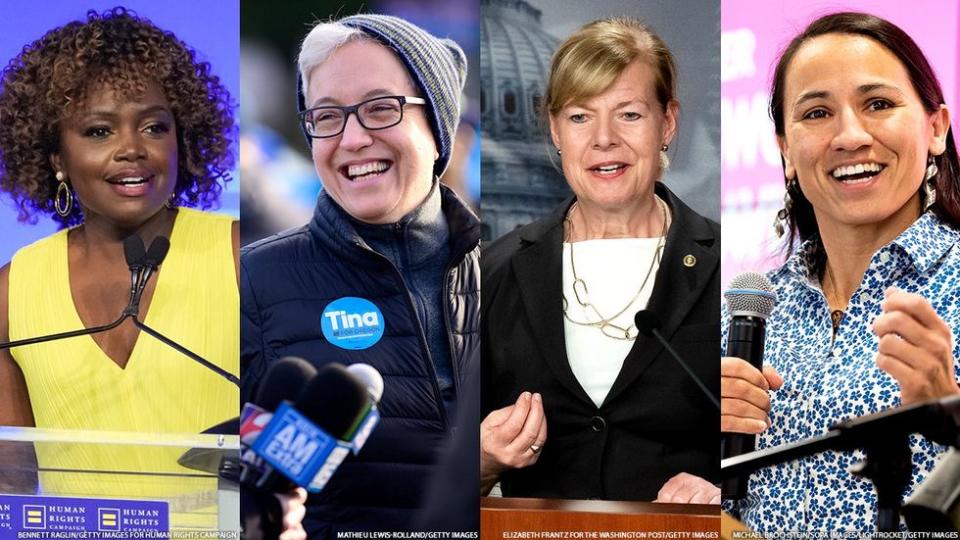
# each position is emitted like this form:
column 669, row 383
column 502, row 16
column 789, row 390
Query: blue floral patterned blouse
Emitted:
column 825, row 384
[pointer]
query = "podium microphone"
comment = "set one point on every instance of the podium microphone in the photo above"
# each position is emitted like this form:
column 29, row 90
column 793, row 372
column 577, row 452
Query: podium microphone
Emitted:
column 750, row 301
column 151, row 262
column 649, row 324
column 143, row 267
column 142, row 264
column 135, row 255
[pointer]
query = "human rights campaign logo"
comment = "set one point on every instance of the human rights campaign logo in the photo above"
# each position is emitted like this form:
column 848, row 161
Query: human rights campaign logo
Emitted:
column 34, row 516
column 108, row 519
column 352, row 323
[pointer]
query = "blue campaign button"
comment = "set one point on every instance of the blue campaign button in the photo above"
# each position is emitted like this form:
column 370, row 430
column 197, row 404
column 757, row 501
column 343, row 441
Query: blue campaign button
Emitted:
column 352, row 323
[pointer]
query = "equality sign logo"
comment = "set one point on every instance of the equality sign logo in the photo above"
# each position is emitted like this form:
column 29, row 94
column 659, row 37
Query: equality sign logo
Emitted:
column 34, row 516
column 352, row 323
column 108, row 519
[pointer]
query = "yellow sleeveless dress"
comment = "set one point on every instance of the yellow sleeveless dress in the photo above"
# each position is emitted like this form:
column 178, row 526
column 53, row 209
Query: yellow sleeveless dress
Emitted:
column 74, row 385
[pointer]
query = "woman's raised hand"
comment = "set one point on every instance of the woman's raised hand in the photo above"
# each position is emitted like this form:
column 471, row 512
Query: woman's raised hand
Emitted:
column 916, row 347
column 511, row 438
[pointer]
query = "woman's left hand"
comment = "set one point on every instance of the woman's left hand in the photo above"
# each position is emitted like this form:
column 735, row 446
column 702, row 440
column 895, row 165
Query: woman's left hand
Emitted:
column 686, row 488
column 916, row 347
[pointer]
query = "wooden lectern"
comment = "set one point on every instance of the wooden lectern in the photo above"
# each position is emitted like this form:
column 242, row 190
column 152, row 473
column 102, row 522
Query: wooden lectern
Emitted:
column 510, row 517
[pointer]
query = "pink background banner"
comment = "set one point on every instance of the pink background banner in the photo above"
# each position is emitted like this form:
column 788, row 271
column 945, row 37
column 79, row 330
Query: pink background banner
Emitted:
column 753, row 34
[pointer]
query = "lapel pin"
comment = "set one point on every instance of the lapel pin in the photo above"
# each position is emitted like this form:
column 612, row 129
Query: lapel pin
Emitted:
column 689, row 261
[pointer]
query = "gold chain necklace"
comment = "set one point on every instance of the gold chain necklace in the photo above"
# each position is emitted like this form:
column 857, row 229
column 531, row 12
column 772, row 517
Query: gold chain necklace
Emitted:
column 605, row 324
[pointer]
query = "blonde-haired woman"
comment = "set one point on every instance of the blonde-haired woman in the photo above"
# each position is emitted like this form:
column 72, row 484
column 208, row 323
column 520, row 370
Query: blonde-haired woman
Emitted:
column 560, row 347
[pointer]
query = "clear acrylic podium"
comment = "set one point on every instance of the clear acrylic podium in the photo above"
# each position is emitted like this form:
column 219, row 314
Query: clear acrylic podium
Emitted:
column 98, row 465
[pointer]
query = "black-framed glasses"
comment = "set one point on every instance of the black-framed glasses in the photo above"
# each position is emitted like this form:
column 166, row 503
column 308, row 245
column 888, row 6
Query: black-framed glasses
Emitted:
column 376, row 113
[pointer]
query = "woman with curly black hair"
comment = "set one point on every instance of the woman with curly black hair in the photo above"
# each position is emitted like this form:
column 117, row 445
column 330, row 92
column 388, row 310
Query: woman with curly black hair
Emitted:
column 113, row 127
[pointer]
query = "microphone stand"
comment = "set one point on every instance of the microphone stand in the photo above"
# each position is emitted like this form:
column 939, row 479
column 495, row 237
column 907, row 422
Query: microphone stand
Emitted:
column 187, row 352
column 140, row 272
column 136, row 256
column 884, row 437
column 64, row 335
column 151, row 262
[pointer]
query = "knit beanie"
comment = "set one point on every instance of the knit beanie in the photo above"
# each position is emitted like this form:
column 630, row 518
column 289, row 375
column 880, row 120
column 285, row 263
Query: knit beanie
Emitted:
column 438, row 67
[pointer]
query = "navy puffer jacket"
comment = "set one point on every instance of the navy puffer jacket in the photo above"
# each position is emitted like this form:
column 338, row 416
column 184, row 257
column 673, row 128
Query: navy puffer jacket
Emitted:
column 288, row 280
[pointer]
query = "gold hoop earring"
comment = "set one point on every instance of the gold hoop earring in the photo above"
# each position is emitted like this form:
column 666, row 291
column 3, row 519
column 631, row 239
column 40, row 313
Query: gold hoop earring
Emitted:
column 63, row 191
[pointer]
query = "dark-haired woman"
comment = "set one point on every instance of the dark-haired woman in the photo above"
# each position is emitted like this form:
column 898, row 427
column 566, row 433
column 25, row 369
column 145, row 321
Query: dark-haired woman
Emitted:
column 868, row 298
column 112, row 127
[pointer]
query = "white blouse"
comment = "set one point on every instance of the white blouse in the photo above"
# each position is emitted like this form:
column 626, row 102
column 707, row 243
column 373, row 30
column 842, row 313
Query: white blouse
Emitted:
column 613, row 271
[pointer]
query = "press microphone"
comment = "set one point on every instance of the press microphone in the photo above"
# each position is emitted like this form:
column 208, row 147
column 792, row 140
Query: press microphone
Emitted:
column 935, row 505
column 284, row 380
column 750, row 301
column 370, row 377
column 305, row 442
column 649, row 324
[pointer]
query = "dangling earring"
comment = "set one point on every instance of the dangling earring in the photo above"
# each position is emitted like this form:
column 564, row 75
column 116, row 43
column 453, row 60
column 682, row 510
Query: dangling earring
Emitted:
column 63, row 191
column 929, row 183
column 781, row 222
column 664, row 158
column 172, row 201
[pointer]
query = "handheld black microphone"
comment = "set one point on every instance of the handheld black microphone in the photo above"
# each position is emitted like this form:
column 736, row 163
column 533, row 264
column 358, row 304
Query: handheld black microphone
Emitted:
column 750, row 301
column 284, row 380
column 649, row 324
column 335, row 400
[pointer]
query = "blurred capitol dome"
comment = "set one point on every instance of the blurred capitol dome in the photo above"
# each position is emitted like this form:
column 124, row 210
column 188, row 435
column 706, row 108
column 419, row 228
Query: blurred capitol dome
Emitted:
column 520, row 182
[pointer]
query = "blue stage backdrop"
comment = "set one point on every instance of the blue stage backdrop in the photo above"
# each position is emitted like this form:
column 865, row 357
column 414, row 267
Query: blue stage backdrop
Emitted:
column 210, row 27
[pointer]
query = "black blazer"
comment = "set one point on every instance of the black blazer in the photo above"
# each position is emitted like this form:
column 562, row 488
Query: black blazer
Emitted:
column 655, row 422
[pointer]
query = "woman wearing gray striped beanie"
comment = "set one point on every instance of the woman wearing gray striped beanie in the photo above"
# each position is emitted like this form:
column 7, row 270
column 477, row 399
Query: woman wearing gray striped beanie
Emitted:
column 387, row 271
